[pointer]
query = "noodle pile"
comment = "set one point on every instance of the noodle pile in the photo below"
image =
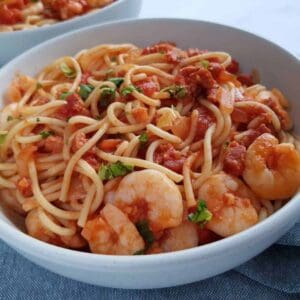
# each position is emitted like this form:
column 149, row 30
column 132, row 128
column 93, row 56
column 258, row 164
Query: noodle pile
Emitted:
column 27, row 14
column 69, row 135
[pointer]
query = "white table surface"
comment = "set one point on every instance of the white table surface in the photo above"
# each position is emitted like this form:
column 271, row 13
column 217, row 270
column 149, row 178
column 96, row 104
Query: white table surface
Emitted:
column 276, row 20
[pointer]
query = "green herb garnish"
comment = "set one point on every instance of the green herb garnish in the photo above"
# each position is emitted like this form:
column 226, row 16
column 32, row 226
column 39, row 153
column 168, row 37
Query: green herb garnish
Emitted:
column 45, row 134
column 129, row 89
column 205, row 63
column 117, row 81
column 202, row 215
column 85, row 90
column 145, row 231
column 176, row 91
column 9, row 118
column 64, row 95
column 38, row 119
column 68, row 72
column 2, row 138
column 107, row 96
column 143, row 138
column 112, row 170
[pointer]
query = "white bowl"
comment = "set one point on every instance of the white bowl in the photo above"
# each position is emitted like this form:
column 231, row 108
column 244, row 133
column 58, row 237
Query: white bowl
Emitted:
column 15, row 43
column 277, row 67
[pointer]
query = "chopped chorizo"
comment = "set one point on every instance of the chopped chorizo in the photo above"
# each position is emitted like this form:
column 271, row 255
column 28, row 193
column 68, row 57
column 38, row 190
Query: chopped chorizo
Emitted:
column 234, row 159
column 199, row 76
column 169, row 157
column 251, row 134
column 205, row 120
column 53, row 144
column 73, row 107
column 173, row 54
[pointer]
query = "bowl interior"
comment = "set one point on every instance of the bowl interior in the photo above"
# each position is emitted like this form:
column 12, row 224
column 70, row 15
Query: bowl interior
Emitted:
column 276, row 67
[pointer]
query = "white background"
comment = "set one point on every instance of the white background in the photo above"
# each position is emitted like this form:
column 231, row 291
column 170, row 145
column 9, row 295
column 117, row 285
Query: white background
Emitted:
column 276, row 20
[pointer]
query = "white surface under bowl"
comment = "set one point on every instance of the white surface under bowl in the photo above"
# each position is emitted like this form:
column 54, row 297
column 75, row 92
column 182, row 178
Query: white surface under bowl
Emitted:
column 15, row 43
column 277, row 68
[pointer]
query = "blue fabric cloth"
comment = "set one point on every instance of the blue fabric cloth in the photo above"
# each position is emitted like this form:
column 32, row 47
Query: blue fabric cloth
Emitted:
column 275, row 274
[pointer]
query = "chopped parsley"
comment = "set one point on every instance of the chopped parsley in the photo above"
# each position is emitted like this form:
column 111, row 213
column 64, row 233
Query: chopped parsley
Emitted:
column 176, row 91
column 2, row 138
column 64, row 95
column 117, row 81
column 38, row 119
column 107, row 96
column 129, row 89
column 113, row 170
column 202, row 215
column 68, row 72
column 143, row 138
column 145, row 231
column 205, row 63
column 45, row 134
column 85, row 90
column 9, row 118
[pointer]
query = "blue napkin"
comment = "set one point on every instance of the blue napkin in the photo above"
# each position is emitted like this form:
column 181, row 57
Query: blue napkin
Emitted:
column 275, row 274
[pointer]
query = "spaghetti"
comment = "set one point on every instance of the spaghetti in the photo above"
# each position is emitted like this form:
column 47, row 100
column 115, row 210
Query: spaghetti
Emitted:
column 132, row 151
column 27, row 14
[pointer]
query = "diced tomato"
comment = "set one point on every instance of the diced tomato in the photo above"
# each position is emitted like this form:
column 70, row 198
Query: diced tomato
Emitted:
column 199, row 76
column 234, row 159
column 73, row 107
column 205, row 120
column 215, row 69
column 159, row 47
column 245, row 79
column 234, row 67
column 140, row 114
column 90, row 156
column 148, row 86
column 10, row 16
column 169, row 157
column 24, row 186
column 53, row 144
column 109, row 145
column 173, row 54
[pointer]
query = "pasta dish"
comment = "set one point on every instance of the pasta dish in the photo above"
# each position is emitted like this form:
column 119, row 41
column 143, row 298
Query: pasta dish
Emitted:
column 26, row 14
column 125, row 150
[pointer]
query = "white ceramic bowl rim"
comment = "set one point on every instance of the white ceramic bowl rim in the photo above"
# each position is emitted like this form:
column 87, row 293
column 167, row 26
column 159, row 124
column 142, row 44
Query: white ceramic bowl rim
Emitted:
column 208, row 250
column 59, row 24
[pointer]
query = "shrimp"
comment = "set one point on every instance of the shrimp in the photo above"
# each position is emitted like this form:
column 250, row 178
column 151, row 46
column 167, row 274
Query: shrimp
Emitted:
column 272, row 170
column 112, row 233
column 150, row 195
column 36, row 229
column 181, row 237
column 231, row 202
